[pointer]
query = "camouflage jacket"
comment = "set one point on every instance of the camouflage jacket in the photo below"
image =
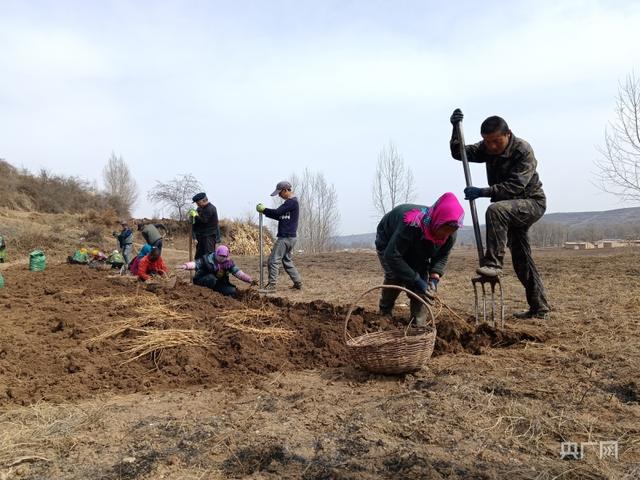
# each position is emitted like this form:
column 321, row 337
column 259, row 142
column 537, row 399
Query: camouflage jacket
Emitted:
column 511, row 175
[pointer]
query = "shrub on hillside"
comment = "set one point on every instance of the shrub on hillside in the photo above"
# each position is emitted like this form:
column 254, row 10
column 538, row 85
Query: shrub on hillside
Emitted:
column 107, row 217
column 93, row 234
column 49, row 193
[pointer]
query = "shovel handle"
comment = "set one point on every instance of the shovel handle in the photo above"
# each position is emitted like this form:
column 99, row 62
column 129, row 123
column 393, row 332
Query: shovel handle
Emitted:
column 260, row 258
column 472, row 203
column 191, row 248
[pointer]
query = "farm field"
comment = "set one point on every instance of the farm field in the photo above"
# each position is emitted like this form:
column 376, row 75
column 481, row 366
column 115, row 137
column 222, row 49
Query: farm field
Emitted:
column 265, row 387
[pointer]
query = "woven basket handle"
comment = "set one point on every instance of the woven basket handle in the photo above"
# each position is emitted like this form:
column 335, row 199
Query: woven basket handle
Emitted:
column 380, row 287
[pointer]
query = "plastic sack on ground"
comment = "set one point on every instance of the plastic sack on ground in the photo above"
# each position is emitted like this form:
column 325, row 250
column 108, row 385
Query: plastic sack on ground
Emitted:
column 37, row 261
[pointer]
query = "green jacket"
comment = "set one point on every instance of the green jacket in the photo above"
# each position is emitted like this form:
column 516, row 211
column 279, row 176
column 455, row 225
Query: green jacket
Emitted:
column 150, row 234
column 405, row 249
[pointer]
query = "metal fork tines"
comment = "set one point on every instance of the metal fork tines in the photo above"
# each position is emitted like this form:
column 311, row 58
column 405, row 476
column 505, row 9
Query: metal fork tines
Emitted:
column 479, row 283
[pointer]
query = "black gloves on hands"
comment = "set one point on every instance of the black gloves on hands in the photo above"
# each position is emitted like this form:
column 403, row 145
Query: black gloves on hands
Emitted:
column 456, row 116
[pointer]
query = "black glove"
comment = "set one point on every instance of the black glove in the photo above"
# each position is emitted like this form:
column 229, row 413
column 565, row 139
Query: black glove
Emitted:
column 471, row 193
column 422, row 288
column 456, row 116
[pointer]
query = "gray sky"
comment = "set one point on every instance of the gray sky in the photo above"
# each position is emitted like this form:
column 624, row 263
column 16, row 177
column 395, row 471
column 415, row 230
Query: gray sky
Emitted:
column 243, row 93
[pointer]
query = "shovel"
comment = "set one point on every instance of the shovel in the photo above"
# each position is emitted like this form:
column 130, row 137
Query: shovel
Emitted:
column 260, row 257
column 480, row 283
column 260, row 240
column 193, row 220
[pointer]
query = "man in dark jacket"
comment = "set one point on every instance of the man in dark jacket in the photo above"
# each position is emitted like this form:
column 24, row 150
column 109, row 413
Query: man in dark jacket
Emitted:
column 517, row 202
column 413, row 244
column 206, row 229
column 287, row 217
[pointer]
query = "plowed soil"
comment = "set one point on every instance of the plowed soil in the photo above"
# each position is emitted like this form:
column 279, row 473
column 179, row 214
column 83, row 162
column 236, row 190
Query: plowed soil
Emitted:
column 49, row 350
column 272, row 391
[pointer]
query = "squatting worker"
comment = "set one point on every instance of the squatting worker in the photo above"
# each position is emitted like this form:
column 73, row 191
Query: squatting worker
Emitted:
column 151, row 235
column 413, row 244
column 206, row 230
column 287, row 217
column 212, row 271
column 517, row 202
column 152, row 265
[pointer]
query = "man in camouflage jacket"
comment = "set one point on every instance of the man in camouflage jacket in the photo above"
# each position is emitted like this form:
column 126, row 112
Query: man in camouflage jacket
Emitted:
column 517, row 202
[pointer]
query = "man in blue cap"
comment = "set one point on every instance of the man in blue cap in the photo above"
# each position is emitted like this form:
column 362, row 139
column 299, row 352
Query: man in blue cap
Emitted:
column 206, row 229
column 287, row 217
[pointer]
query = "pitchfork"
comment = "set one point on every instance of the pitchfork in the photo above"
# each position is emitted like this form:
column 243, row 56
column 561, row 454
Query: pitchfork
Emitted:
column 480, row 282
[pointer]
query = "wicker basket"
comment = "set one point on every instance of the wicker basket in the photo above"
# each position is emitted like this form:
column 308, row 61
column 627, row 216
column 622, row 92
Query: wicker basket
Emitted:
column 392, row 351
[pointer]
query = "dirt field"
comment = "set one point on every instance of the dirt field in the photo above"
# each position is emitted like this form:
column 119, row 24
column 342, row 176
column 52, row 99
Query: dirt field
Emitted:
column 265, row 388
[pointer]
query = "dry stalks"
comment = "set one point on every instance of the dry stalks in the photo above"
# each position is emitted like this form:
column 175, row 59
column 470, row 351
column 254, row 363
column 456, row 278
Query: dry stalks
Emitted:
column 242, row 315
column 148, row 309
column 120, row 326
column 440, row 306
column 242, row 238
column 155, row 341
column 264, row 332
column 42, row 431
column 251, row 320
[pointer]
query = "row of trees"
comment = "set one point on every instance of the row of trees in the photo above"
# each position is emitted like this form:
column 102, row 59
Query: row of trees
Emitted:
column 319, row 212
column 550, row 234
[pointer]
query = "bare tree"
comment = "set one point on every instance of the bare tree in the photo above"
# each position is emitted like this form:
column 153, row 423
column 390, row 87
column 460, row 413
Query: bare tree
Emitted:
column 319, row 214
column 548, row 234
column 393, row 183
column 176, row 194
column 619, row 168
column 119, row 183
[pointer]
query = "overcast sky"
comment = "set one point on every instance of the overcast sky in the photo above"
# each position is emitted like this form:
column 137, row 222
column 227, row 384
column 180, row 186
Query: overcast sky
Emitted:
column 243, row 93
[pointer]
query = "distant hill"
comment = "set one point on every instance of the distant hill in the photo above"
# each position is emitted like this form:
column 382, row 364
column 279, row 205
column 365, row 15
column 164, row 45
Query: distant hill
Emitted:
column 367, row 240
column 571, row 221
column 360, row 240
column 607, row 217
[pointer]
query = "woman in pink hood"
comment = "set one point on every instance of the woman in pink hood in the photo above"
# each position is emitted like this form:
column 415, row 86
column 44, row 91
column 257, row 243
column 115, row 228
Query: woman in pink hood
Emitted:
column 212, row 271
column 413, row 244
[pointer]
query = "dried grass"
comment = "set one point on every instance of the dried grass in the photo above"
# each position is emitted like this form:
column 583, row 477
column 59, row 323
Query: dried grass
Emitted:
column 262, row 332
column 252, row 321
column 148, row 310
column 439, row 306
column 42, row 431
column 243, row 238
column 243, row 315
column 152, row 341
column 120, row 326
